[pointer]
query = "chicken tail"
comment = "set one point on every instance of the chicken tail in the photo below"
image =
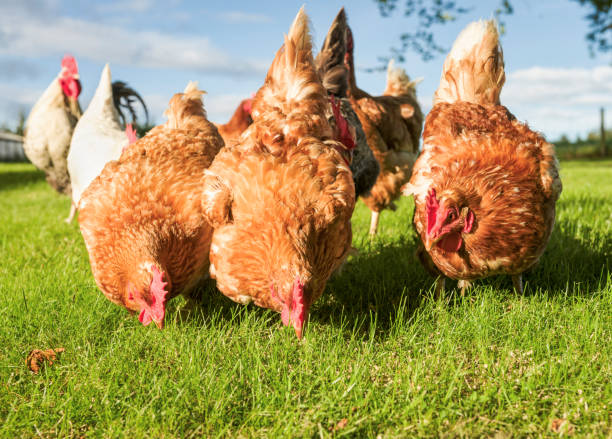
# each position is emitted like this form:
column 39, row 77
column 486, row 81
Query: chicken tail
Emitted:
column 185, row 108
column 474, row 68
column 124, row 99
column 330, row 60
column 292, row 101
column 398, row 81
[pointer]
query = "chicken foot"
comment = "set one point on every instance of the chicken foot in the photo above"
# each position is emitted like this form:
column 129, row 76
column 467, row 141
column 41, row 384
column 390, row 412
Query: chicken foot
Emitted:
column 517, row 281
column 464, row 285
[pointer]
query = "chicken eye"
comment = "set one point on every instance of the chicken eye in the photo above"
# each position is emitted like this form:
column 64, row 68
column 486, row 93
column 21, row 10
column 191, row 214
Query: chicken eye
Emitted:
column 451, row 215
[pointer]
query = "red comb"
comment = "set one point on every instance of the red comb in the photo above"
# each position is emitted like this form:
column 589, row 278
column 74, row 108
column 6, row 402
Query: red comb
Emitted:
column 130, row 132
column 345, row 135
column 431, row 206
column 158, row 286
column 70, row 65
column 299, row 310
column 157, row 309
column 247, row 105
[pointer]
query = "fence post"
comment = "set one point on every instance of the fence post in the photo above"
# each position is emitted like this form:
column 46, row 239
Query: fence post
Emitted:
column 602, row 136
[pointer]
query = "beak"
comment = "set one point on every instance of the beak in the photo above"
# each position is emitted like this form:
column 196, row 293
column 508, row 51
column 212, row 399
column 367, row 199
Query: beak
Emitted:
column 159, row 323
column 430, row 242
column 298, row 329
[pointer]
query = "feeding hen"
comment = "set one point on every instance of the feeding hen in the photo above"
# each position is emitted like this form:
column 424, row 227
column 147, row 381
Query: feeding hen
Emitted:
column 485, row 185
column 280, row 199
column 142, row 218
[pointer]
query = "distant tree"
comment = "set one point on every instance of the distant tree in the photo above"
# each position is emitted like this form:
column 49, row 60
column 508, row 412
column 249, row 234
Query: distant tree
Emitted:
column 429, row 13
column 20, row 128
column 600, row 25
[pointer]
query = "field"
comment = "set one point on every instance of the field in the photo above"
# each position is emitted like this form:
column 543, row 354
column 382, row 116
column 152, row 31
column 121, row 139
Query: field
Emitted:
column 380, row 358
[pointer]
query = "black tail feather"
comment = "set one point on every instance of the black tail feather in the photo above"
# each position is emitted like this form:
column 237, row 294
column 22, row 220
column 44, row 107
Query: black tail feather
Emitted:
column 124, row 98
column 330, row 60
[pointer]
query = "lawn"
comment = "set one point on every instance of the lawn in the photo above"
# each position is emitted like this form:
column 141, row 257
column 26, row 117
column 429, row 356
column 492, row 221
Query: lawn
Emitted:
column 380, row 358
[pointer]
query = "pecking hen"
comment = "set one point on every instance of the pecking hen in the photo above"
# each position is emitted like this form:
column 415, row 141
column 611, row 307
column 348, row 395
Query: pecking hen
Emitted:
column 99, row 136
column 485, row 185
column 281, row 199
column 142, row 218
column 392, row 124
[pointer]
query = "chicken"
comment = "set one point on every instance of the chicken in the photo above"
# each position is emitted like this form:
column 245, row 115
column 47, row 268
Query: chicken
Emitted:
column 240, row 121
column 99, row 136
column 392, row 124
column 142, row 219
column 485, row 185
column 334, row 75
column 50, row 125
column 281, row 199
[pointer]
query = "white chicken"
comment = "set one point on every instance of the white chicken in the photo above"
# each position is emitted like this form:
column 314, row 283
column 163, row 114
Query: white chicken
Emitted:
column 99, row 136
column 50, row 125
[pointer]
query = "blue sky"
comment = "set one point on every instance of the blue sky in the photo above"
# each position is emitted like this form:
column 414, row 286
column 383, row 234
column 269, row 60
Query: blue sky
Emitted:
column 158, row 46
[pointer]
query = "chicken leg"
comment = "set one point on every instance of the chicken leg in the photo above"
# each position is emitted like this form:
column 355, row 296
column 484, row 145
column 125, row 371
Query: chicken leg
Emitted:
column 440, row 283
column 374, row 223
column 71, row 214
column 517, row 281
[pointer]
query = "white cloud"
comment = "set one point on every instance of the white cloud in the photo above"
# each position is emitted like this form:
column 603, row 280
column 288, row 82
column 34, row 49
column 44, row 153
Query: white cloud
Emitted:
column 27, row 35
column 137, row 6
column 559, row 101
column 244, row 17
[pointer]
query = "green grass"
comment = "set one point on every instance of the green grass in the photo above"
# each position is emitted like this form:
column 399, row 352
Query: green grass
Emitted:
column 379, row 351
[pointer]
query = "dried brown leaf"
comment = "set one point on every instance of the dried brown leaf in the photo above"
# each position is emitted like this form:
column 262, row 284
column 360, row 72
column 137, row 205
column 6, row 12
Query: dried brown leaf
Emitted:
column 36, row 358
column 341, row 424
column 562, row 426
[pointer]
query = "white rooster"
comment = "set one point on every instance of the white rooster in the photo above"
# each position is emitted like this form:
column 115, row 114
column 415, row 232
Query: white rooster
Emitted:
column 50, row 125
column 99, row 137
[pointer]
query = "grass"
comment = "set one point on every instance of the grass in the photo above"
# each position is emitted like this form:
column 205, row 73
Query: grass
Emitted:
column 380, row 357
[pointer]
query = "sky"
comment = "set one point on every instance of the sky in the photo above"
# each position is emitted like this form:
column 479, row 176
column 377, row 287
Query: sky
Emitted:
column 158, row 46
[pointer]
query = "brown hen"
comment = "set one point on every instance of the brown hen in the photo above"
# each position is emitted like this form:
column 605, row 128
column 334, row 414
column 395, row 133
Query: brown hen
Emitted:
column 485, row 185
column 240, row 121
column 142, row 218
column 392, row 124
column 281, row 199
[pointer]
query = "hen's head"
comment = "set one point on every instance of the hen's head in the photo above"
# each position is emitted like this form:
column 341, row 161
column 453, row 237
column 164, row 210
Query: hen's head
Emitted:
column 295, row 304
column 151, row 297
column 277, row 234
column 448, row 219
column 267, row 261
column 69, row 78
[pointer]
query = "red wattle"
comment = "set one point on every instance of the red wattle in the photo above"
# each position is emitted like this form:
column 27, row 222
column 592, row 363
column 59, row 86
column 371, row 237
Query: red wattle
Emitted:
column 145, row 317
column 451, row 242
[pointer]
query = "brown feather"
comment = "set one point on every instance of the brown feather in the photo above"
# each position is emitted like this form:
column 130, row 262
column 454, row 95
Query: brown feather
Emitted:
column 282, row 197
column 479, row 157
column 145, row 207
